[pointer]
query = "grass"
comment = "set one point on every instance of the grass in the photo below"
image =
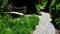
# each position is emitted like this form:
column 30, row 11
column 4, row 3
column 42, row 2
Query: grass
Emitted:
column 22, row 25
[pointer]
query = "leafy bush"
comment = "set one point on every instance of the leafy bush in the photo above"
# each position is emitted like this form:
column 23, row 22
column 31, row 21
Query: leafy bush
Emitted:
column 38, row 8
column 58, row 6
column 52, row 7
column 43, row 3
column 55, row 12
column 22, row 25
column 40, row 5
column 58, row 23
column 3, row 3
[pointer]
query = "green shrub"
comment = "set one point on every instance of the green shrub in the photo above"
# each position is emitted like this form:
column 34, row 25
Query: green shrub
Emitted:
column 58, row 23
column 52, row 7
column 38, row 8
column 58, row 6
column 22, row 25
column 43, row 3
column 3, row 3
column 55, row 12
column 40, row 5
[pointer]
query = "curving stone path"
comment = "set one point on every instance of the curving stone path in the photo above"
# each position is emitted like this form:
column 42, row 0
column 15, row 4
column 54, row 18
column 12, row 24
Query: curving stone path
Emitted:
column 45, row 26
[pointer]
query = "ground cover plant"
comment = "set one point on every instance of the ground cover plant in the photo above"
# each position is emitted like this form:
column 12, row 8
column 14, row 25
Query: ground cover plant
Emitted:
column 22, row 25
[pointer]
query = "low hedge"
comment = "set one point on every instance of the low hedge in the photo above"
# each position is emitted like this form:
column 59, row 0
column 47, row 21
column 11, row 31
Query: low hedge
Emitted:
column 22, row 25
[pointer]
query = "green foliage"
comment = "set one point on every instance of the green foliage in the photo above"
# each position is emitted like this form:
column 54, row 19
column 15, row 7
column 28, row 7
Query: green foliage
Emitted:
column 38, row 8
column 53, row 2
column 40, row 5
column 22, row 25
column 57, row 19
column 55, row 12
column 43, row 3
column 55, row 9
column 3, row 3
column 58, row 6
column 58, row 23
column 52, row 7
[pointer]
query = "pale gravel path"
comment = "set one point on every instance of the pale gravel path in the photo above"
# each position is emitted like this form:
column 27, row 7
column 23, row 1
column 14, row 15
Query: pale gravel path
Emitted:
column 44, row 26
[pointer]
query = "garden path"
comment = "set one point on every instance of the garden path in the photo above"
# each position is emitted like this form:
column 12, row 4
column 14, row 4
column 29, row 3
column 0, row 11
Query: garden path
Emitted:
column 45, row 26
